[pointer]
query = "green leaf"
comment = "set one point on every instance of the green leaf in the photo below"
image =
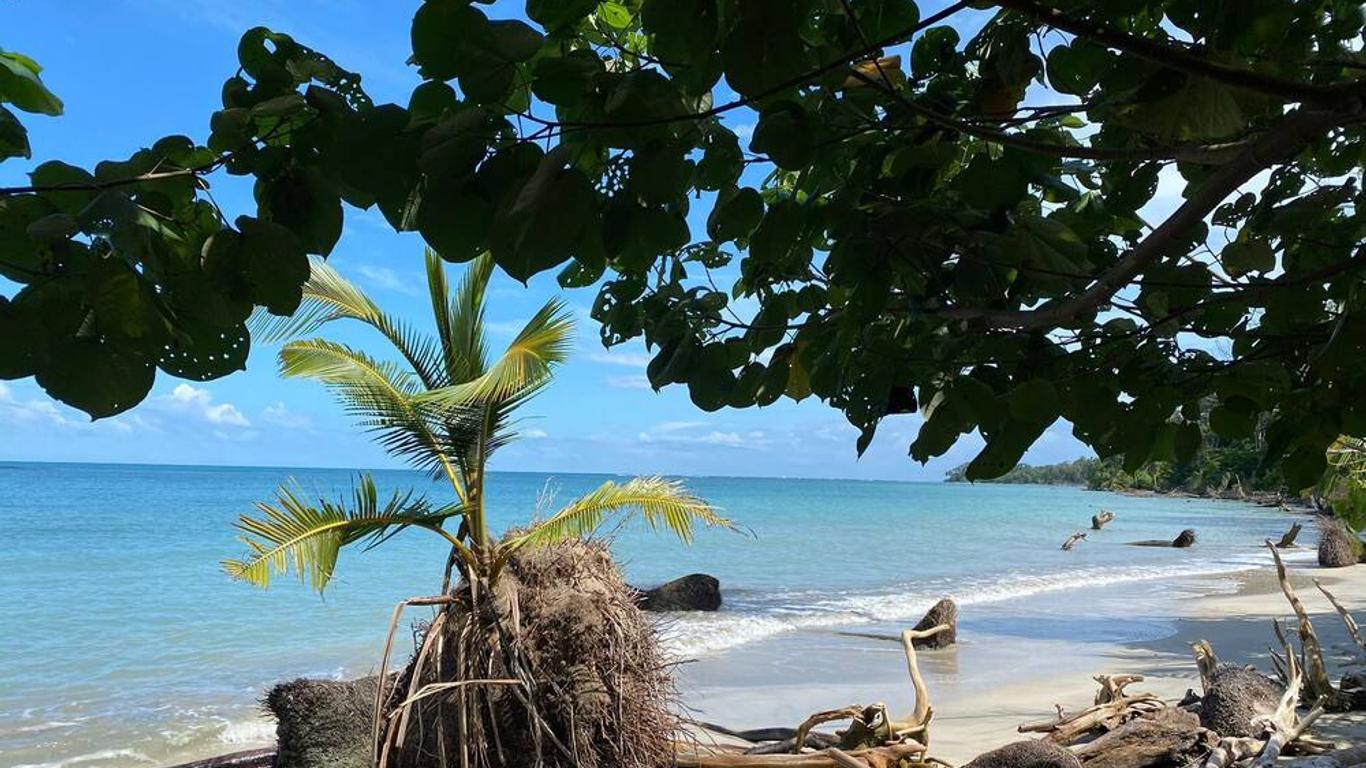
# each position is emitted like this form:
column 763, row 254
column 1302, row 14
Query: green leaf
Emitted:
column 736, row 213
column 684, row 31
column 202, row 351
column 13, row 137
column 1243, row 256
column 1077, row 68
column 1034, row 401
column 933, row 50
column 722, row 161
column 785, row 134
column 307, row 204
column 21, row 86
column 764, row 49
column 1201, row 110
column 554, row 14
column 615, row 14
column 563, row 80
column 97, row 377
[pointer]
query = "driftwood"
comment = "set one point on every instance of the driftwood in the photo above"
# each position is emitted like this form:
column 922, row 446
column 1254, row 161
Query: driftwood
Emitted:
column 1164, row 737
column 252, row 758
column 1099, row 520
column 1347, row 620
column 873, row 757
column 873, row 739
column 1338, row 758
column 1288, row 538
column 1103, row 716
column 1318, row 688
column 1072, row 540
column 1112, row 686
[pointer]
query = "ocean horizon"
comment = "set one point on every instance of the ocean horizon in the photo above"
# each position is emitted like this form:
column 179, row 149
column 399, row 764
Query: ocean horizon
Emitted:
column 126, row 644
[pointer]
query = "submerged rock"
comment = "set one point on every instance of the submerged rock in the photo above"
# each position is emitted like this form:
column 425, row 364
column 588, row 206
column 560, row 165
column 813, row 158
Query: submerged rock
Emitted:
column 1236, row 695
column 1338, row 546
column 323, row 723
column 943, row 612
column 694, row 592
column 1026, row 754
column 1184, row 539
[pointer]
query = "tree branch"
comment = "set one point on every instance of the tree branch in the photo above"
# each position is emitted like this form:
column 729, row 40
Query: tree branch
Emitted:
column 1213, row 154
column 1185, row 61
column 1296, row 131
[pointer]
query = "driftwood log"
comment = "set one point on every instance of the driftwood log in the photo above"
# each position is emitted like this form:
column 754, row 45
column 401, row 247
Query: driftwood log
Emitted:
column 1099, row 519
column 1288, row 538
column 252, row 758
column 1168, row 736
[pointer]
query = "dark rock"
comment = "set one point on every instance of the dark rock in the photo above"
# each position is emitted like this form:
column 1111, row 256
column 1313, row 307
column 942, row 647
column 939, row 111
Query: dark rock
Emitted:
column 1236, row 695
column 1166, row 738
column 694, row 592
column 1338, row 546
column 323, row 723
column 1354, row 681
column 1184, row 539
column 943, row 612
column 1026, row 754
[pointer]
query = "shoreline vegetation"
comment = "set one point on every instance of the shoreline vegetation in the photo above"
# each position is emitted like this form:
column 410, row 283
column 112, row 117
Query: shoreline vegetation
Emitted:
column 1221, row 469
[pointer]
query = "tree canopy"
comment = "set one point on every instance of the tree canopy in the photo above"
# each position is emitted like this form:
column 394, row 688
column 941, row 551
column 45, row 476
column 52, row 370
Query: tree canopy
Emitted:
column 925, row 218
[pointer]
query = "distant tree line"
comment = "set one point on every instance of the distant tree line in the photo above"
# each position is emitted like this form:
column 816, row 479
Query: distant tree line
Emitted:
column 1221, row 467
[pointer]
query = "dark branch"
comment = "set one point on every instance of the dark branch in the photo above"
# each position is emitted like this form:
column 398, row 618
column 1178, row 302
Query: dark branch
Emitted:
column 1287, row 139
column 1186, row 61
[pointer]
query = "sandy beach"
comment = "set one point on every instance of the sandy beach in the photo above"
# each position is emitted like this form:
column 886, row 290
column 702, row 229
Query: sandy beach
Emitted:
column 1016, row 664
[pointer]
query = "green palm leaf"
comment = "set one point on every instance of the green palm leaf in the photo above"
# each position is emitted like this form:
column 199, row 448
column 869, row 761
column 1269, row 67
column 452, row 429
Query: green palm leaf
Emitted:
column 523, row 368
column 663, row 503
column 460, row 316
column 384, row 397
column 329, row 297
column 294, row 535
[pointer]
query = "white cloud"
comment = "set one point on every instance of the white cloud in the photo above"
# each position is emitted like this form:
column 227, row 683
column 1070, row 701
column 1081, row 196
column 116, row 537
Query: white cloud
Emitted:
column 387, row 279
column 625, row 359
column 226, row 413
column 281, row 416
column 534, row 434
column 685, row 433
column 184, row 393
column 677, row 426
column 14, row 409
column 629, row 382
column 200, row 402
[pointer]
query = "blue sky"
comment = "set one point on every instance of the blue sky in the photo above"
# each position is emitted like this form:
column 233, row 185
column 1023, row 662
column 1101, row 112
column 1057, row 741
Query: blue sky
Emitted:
column 131, row 71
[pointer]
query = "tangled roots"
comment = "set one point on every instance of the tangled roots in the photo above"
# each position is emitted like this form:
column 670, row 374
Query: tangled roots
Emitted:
column 591, row 686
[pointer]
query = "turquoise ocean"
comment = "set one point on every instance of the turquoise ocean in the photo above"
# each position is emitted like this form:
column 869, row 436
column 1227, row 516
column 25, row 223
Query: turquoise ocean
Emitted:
column 122, row 643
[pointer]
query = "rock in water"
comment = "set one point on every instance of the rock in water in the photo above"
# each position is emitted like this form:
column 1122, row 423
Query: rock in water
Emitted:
column 1236, row 695
column 694, row 592
column 323, row 723
column 1026, row 754
column 1338, row 546
column 943, row 612
column 1184, row 539
column 1166, row 738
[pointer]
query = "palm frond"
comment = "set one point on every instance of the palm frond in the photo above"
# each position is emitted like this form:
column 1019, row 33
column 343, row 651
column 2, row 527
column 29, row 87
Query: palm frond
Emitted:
column 329, row 297
column 308, row 538
column 469, row 352
column 383, row 398
column 523, row 368
column 663, row 503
